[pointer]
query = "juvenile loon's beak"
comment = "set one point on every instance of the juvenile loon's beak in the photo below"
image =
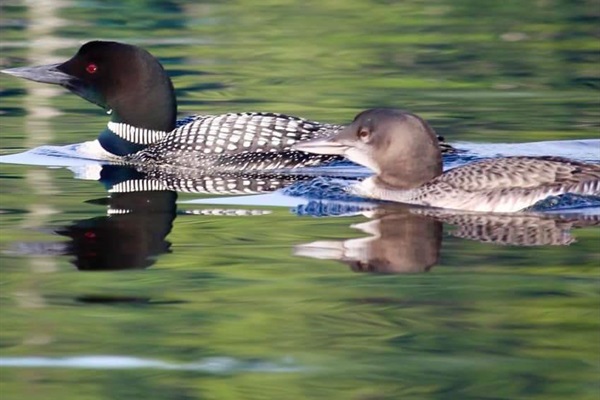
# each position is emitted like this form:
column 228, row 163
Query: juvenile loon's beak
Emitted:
column 328, row 145
column 43, row 73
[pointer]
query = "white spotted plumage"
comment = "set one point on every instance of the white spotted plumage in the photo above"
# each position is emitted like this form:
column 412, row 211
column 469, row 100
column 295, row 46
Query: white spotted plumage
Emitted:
column 229, row 142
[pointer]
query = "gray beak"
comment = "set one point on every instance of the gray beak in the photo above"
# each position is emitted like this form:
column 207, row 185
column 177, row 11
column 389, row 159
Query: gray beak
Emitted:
column 43, row 73
column 328, row 145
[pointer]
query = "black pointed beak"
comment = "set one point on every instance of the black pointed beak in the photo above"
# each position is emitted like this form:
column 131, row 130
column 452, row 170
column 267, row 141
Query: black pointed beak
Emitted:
column 43, row 73
column 52, row 74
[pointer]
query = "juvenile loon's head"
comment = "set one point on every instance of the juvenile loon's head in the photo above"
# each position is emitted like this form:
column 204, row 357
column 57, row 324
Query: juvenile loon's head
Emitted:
column 399, row 146
column 116, row 76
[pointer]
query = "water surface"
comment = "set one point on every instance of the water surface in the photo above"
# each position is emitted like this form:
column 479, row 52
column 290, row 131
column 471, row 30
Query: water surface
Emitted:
column 286, row 297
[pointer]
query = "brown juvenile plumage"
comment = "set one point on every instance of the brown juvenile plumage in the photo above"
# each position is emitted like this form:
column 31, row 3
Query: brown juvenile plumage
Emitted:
column 402, row 149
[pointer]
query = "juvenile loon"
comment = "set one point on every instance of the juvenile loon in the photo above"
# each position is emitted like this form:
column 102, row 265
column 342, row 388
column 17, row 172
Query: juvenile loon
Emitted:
column 132, row 86
column 402, row 149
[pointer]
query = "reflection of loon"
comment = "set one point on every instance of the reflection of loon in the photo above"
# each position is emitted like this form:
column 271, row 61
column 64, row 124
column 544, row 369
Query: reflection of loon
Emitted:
column 132, row 85
column 535, row 229
column 408, row 240
column 140, row 215
column 402, row 149
column 400, row 242
column 131, row 236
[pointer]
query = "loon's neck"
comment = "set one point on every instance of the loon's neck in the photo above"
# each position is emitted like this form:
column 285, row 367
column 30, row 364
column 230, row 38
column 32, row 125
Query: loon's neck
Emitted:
column 144, row 112
column 122, row 139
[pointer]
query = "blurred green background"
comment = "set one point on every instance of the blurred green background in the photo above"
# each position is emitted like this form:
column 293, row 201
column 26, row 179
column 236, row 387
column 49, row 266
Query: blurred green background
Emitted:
column 491, row 322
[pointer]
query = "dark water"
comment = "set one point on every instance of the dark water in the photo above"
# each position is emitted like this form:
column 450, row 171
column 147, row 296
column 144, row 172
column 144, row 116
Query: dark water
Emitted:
column 277, row 297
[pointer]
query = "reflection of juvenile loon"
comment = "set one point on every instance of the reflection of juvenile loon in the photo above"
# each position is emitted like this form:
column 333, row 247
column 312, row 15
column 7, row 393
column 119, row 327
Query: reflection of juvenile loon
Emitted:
column 402, row 149
column 405, row 239
column 132, row 85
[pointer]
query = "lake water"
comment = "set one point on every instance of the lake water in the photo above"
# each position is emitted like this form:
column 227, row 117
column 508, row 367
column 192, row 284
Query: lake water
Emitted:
column 304, row 292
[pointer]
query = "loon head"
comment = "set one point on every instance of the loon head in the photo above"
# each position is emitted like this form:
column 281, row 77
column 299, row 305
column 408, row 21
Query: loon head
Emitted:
column 116, row 76
column 399, row 146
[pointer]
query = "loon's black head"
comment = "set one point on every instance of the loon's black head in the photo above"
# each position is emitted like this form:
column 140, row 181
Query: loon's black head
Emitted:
column 401, row 147
column 116, row 76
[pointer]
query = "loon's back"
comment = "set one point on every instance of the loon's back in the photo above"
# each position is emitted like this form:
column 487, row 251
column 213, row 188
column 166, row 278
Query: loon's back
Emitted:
column 250, row 140
column 507, row 184
column 234, row 141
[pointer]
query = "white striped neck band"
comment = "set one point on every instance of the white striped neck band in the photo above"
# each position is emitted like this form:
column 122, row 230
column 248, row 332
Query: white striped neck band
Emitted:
column 135, row 135
column 138, row 185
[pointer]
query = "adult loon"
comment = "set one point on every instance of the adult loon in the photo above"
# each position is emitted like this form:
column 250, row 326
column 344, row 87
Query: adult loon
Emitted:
column 131, row 85
column 402, row 149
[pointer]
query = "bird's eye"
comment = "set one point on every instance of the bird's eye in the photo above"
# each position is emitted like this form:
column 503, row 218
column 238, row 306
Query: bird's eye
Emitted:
column 364, row 134
column 91, row 68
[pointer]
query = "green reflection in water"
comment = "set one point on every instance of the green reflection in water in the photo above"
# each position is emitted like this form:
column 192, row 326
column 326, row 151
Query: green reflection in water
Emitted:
column 488, row 322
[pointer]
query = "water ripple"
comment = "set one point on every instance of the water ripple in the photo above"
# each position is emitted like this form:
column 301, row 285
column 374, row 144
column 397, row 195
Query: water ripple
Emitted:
column 212, row 365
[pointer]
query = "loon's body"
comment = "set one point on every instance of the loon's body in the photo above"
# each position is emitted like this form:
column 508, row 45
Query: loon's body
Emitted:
column 234, row 142
column 131, row 85
column 402, row 149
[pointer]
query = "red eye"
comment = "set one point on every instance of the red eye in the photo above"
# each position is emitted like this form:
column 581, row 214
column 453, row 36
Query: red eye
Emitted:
column 91, row 68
